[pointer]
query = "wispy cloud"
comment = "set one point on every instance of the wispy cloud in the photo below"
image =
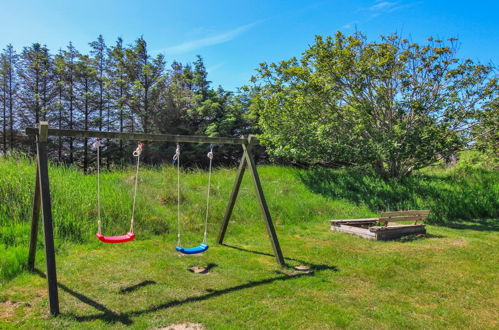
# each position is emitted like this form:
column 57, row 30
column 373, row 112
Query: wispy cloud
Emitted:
column 216, row 39
column 384, row 7
column 350, row 25
column 214, row 67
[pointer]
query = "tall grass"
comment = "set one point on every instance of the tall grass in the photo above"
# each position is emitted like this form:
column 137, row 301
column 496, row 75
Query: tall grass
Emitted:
column 296, row 199
column 461, row 193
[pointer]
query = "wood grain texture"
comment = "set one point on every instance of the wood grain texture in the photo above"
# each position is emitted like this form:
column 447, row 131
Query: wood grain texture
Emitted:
column 144, row 137
column 405, row 213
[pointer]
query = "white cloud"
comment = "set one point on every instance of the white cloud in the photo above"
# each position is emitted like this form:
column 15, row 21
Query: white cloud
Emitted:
column 220, row 38
column 214, row 67
column 350, row 25
column 383, row 7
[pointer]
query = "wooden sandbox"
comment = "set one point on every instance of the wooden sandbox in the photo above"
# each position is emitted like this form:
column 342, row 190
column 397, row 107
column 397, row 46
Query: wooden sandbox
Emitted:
column 378, row 228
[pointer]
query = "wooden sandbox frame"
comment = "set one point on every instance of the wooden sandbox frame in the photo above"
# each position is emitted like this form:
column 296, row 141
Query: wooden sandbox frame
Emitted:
column 368, row 228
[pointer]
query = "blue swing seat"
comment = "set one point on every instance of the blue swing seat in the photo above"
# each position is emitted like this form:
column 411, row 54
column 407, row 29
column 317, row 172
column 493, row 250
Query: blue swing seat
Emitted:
column 195, row 250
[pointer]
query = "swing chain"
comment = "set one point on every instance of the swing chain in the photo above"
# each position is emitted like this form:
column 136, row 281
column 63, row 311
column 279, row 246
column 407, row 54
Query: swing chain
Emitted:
column 96, row 145
column 210, row 157
column 176, row 158
column 136, row 153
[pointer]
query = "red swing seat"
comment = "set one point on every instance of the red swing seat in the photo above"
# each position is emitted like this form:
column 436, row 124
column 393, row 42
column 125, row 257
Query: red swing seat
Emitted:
column 116, row 239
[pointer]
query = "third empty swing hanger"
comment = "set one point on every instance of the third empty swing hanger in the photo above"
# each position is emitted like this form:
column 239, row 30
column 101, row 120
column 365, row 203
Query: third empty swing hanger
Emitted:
column 204, row 245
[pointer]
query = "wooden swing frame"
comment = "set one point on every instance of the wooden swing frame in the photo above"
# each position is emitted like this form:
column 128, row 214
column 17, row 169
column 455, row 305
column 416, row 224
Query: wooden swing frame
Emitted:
column 42, row 200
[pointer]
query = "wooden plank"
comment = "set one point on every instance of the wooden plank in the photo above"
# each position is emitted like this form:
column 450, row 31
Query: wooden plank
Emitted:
column 35, row 216
column 397, row 232
column 353, row 221
column 48, row 230
column 362, row 232
column 395, row 219
column 405, row 213
column 143, row 137
column 264, row 207
column 232, row 199
column 394, row 228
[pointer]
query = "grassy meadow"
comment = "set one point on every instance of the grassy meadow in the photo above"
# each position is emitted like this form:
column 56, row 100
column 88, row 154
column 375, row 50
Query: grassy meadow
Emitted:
column 446, row 279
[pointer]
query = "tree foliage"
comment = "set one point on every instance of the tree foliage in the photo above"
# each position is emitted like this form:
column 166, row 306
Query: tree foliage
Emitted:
column 115, row 88
column 392, row 104
column 486, row 132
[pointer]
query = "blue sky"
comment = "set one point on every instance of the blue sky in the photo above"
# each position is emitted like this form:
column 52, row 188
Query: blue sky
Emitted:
column 235, row 36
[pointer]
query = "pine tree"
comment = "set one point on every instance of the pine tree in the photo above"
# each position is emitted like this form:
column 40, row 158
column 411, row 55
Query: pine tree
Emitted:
column 87, row 76
column 36, row 83
column 200, row 78
column 12, row 84
column 60, row 86
column 118, row 86
column 3, row 99
column 70, row 58
column 146, row 73
column 99, row 61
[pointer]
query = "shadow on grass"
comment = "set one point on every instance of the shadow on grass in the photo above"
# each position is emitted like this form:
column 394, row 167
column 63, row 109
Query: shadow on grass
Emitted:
column 136, row 286
column 451, row 196
column 411, row 238
column 271, row 255
column 110, row 316
column 481, row 225
column 107, row 314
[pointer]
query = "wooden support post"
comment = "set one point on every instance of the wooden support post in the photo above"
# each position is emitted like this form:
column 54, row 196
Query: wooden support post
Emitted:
column 48, row 232
column 34, row 223
column 232, row 199
column 263, row 205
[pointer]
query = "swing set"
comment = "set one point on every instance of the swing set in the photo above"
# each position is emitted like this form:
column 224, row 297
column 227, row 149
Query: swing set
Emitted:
column 131, row 235
column 42, row 199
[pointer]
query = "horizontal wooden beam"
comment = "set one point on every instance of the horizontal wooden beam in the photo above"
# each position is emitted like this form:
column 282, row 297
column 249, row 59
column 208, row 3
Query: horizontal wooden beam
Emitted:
column 144, row 137
column 396, row 219
column 405, row 213
column 360, row 221
column 401, row 228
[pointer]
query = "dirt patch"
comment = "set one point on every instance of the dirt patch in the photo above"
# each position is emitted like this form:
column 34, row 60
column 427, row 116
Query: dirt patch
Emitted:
column 199, row 269
column 8, row 308
column 459, row 242
column 183, row 326
column 436, row 247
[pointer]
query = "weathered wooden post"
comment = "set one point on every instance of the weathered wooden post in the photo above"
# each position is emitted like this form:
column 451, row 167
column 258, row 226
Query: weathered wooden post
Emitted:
column 248, row 161
column 232, row 199
column 48, row 231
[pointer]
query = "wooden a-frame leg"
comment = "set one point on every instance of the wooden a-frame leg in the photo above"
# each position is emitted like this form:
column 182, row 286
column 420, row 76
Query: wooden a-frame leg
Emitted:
column 264, row 207
column 48, row 231
column 232, row 199
column 34, row 223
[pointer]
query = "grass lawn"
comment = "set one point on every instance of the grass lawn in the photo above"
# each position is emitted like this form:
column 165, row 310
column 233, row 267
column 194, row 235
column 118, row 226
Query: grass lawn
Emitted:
column 446, row 279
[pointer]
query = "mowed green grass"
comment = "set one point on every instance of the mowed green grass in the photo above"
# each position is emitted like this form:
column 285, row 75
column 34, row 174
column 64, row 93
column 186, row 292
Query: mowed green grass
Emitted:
column 446, row 279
